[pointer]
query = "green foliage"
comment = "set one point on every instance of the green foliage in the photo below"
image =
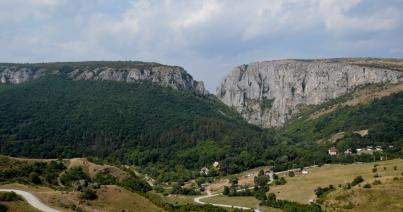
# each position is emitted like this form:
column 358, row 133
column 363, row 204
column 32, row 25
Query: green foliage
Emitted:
column 226, row 190
column 9, row 196
column 291, row 174
column 135, row 184
column 280, row 181
column 286, row 205
column 27, row 172
column 105, row 179
column 88, row 194
column 321, row 192
column 135, row 123
column 266, row 104
column 73, row 175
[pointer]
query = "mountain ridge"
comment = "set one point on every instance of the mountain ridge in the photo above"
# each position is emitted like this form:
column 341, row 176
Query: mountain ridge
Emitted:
column 174, row 77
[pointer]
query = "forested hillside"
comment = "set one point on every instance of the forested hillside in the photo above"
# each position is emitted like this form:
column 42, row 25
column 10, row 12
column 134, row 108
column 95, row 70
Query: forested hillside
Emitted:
column 171, row 134
column 135, row 123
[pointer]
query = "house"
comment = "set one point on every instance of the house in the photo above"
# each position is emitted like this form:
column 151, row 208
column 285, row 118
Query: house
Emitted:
column 204, row 171
column 332, row 151
column 304, row 171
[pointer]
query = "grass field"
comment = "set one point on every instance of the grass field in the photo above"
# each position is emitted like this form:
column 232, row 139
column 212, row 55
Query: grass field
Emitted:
column 250, row 202
column 301, row 187
column 387, row 196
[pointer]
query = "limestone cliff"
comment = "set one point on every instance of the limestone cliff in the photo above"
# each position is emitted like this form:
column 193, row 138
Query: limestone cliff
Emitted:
column 167, row 76
column 269, row 93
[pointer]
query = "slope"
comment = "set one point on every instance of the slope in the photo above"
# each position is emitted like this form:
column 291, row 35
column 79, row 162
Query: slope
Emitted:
column 139, row 123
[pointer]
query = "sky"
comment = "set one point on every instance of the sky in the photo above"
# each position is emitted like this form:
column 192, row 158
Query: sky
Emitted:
column 207, row 37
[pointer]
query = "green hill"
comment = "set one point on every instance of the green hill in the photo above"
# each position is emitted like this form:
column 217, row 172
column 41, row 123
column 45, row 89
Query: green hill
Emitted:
column 134, row 123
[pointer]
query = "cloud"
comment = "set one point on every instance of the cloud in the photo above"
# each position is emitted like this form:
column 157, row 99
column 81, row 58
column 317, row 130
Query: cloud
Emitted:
column 208, row 37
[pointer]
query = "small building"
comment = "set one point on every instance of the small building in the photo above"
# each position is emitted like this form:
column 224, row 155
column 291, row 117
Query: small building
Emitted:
column 204, row 171
column 304, row 171
column 216, row 165
column 332, row 151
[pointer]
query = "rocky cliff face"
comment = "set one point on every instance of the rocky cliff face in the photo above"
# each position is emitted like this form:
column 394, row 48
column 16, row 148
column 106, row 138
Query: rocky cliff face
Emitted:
column 269, row 93
column 166, row 76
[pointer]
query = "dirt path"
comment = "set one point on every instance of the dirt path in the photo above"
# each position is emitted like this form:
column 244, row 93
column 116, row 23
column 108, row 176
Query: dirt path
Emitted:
column 31, row 199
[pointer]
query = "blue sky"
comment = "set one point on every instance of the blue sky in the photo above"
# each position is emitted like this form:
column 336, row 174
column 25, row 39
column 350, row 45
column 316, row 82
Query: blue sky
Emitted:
column 207, row 37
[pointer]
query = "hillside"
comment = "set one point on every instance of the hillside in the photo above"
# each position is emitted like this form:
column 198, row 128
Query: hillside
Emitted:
column 140, row 123
column 370, row 116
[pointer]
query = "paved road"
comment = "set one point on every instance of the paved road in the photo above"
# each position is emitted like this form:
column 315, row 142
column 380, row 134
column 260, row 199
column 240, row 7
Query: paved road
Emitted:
column 32, row 200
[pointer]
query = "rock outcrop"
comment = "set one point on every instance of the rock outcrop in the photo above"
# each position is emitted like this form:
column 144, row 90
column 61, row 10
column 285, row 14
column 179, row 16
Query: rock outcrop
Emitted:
column 167, row 76
column 268, row 94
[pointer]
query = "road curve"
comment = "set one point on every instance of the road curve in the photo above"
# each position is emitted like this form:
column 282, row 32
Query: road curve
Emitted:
column 209, row 194
column 31, row 199
column 198, row 200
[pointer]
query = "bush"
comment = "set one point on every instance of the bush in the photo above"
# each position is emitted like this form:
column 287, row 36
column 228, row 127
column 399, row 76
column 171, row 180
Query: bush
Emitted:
column 226, row 190
column 377, row 182
column 105, row 179
column 395, row 168
column 320, row 192
column 159, row 188
column 376, row 175
column 9, row 196
column 291, row 174
column 280, row 181
column 73, row 175
column 374, row 170
column 357, row 180
column 34, row 178
column 88, row 194
column 367, row 185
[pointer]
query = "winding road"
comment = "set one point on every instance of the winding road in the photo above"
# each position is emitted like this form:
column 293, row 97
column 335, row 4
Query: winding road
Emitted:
column 209, row 194
column 32, row 200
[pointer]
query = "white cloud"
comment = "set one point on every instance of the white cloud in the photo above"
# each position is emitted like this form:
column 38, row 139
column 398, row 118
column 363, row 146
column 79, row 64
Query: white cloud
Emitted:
column 204, row 35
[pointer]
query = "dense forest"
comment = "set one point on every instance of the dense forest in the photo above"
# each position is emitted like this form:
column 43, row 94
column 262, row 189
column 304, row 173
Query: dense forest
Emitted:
column 170, row 134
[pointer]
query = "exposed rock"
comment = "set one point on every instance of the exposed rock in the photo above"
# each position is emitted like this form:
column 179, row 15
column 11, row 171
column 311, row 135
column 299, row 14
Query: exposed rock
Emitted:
column 166, row 76
column 269, row 93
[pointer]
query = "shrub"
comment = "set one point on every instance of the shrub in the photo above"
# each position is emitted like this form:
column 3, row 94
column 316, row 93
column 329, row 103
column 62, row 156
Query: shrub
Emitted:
column 374, row 170
column 159, row 188
column 357, row 180
column 395, row 168
column 280, row 181
column 105, row 179
column 271, row 196
column 376, row 182
column 367, row 185
column 226, row 190
column 320, row 192
column 9, row 196
column 291, row 174
column 376, row 175
column 34, row 178
column 88, row 194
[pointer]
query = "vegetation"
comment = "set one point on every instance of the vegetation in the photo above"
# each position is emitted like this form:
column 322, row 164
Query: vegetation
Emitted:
column 73, row 175
column 9, row 196
column 53, row 117
column 44, row 173
column 88, row 194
